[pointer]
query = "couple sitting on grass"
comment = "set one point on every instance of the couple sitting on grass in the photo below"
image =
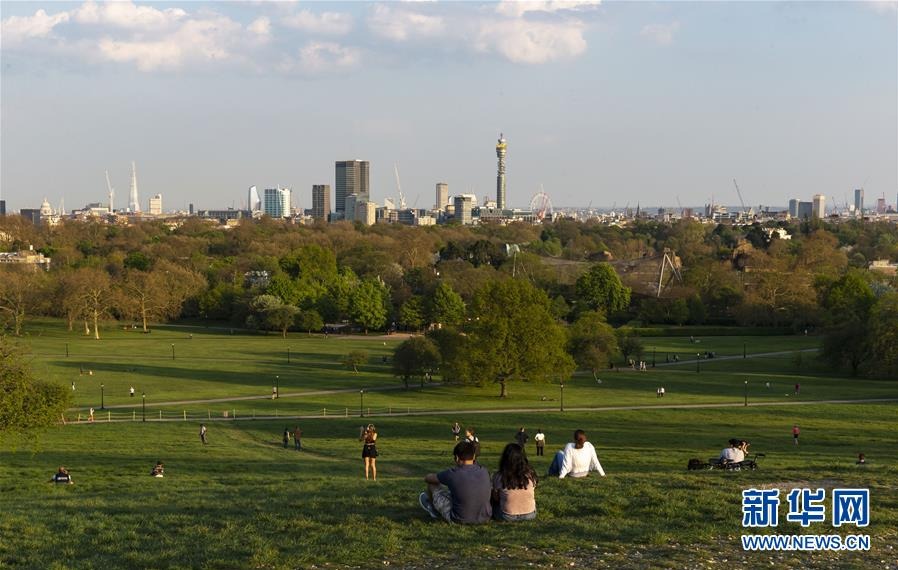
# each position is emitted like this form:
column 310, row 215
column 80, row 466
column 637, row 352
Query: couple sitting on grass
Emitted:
column 471, row 497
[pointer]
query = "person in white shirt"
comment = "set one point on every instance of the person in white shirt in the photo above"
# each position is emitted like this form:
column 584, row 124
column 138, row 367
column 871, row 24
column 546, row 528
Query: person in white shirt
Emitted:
column 577, row 459
column 733, row 453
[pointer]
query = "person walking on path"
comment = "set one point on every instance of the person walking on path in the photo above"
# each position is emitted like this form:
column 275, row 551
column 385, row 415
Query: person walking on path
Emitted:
column 456, row 430
column 203, row 434
column 286, row 437
column 521, row 437
column 369, row 450
column 90, row 418
column 297, row 438
column 540, row 439
column 795, row 434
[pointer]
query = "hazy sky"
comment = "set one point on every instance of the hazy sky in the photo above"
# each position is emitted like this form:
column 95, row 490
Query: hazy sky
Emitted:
column 601, row 103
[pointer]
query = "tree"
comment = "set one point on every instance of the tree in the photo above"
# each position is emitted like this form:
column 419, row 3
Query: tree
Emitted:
column 417, row 356
column 368, row 305
column 512, row 336
column 309, row 320
column 446, row 307
column 846, row 335
column 281, row 317
column 355, row 359
column 591, row 341
column 96, row 297
column 411, row 315
column 601, row 289
column 26, row 403
column 158, row 294
column 629, row 344
column 20, row 293
column 884, row 334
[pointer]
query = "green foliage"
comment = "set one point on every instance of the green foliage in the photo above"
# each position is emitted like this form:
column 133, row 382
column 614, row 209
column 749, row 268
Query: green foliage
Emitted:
column 282, row 286
column 309, row 320
column 412, row 313
column 591, row 341
column 884, row 335
column 630, row 345
column 137, row 260
column 355, row 358
column 417, row 356
column 846, row 339
column 26, row 404
column 512, row 336
column 446, row 307
column 369, row 304
column 600, row 288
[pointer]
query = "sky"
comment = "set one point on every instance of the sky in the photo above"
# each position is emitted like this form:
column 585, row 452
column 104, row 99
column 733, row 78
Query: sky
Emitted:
column 605, row 103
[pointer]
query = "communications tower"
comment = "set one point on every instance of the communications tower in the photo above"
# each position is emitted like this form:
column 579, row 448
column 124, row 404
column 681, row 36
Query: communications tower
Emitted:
column 134, row 204
column 500, row 172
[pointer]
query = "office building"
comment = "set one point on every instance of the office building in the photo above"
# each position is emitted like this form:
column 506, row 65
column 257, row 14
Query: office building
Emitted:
column 442, row 196
column 156, row 205
column 859, row 202
column 351, row 178
column 2, row 207
column 818, row 210
column 190, row 209
column 501, row 146
column 464, row 203
column 349, row 203
column 793, row 208
column 321, row 201
column 366, row 212
column 31, row 214
column 805, row 210
column 253, row 202
column 881, row 205
column 276, row 202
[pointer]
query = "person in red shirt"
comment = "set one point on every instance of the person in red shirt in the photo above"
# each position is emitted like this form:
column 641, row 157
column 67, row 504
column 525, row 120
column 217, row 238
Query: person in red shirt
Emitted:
column 795, row 432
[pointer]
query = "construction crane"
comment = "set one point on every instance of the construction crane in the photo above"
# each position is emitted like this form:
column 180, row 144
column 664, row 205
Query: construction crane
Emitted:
column 399, row 187
column 111, row 191
column 741, row 201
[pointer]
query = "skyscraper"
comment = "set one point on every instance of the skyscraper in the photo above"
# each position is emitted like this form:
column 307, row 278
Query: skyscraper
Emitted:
column 134, row 202
column 2, row 207
column 442, row 199
column 253, row 202
column 463, row 205
column 500, row 173
column 351, row 178
column 793, row 208
column 321, row 201
column 276, row 202
column 859, row 202
column 819, row 208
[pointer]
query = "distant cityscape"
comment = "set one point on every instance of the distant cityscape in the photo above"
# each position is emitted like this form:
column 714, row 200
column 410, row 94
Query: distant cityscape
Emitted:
column 352, row 202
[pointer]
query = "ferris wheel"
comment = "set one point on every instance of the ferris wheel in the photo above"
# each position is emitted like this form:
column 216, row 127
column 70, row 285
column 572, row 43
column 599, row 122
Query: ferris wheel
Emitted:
column 541, row 205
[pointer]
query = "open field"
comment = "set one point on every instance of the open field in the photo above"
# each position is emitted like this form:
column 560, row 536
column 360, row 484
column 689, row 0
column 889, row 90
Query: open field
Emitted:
column 244, row 501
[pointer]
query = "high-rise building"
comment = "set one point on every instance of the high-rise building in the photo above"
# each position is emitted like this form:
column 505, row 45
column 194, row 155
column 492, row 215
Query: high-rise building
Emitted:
column 156, row 205
column 190, row 209
column 500, row 172
column 464, row 203
column 2, row 207
column 366, row 212
column 881, row 205
column 805, row 210
column 134, row 201
column 349, row 207
column 442, row 196
column 253, row 202
column 321, row 201
column 276, row 202
column 351, row 178
column 793, row 208
column 819, row 208
column 859, row 202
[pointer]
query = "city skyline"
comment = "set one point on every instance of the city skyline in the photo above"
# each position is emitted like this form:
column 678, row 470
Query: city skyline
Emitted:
column 651, row 103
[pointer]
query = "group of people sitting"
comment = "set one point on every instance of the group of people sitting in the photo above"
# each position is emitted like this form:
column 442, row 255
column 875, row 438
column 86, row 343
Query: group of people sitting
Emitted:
column 467, row 494
column 735, row 453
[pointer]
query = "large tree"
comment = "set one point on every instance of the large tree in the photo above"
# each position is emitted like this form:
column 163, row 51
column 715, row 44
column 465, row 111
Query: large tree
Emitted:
column 446, row 307
column 368, row 305
column 601, row 289
column 591, row 341
column 21, row 291
column 884, row 334
column 96, row 297
column 417, row 356
column 846, row 335
column 158, row 294
column 512, row 336
column 25, row 402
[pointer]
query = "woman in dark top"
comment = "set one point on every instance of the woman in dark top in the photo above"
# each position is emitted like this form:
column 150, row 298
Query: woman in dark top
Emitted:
column 369, row 450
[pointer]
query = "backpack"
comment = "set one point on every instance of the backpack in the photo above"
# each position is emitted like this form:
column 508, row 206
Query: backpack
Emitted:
column 695, row 464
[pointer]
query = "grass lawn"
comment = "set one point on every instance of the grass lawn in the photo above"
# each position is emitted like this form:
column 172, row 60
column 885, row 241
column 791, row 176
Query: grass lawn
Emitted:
column 245, row 502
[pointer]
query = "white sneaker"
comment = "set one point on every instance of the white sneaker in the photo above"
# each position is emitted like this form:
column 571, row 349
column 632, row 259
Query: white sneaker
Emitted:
column 425, row 503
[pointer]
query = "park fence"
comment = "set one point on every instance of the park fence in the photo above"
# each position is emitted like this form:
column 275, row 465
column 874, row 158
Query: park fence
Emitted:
column 234, row 414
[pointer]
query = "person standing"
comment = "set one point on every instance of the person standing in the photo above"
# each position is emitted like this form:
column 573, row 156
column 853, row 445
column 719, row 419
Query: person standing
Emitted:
column 90, row 418
column 297, row 438
column 471, row 438
column 521, row 437
column 203, row 434
column 661, row 391
column 286, row 437
column 369, row 450
column 73, row 386
column 540, row 439
column 460, row 494
column 797, row 389
column 456, row 430
column 795, row 434
column 131, row 391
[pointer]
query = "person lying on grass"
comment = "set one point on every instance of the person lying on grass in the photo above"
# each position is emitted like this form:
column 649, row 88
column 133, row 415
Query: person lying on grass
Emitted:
column 465, row 498
column 577, row 459
column 514, row 486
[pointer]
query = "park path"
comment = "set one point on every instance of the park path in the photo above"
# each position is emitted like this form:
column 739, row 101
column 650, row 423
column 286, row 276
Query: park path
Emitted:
column 553, row 409
column 738, row 357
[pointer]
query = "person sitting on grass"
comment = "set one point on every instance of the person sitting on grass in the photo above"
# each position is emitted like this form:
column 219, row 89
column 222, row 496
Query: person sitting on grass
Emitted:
column 62, row 476
column 514, row 486
column 158, row 470
column 465, row 498
column 733, row 453
column 577, row 459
